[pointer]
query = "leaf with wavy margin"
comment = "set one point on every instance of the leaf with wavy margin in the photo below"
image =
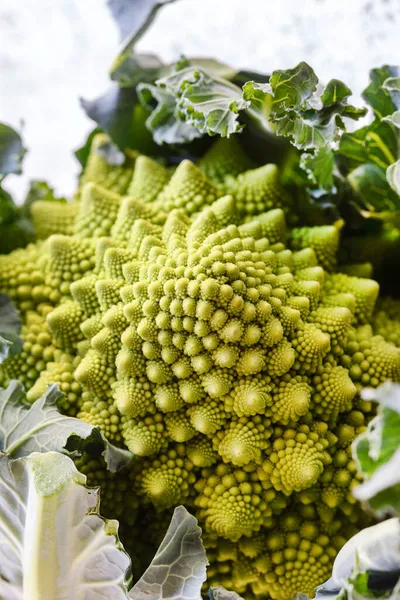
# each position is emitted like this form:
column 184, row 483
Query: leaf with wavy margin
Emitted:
column 40, row 427
column 53, row 541
column 178, row 570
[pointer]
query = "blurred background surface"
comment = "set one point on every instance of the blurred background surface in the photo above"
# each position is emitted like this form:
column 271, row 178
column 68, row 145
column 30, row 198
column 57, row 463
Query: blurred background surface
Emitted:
column 54, row 51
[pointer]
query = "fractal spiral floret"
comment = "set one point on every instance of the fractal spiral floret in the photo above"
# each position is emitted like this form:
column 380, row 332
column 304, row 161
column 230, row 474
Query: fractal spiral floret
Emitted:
column 177, row 311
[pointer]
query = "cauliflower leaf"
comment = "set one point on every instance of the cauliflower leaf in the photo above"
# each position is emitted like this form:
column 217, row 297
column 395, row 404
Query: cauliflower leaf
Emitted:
column 40, row 427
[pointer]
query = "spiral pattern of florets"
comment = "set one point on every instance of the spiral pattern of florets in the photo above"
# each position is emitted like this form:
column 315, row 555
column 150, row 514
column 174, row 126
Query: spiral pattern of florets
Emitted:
column 189, row 323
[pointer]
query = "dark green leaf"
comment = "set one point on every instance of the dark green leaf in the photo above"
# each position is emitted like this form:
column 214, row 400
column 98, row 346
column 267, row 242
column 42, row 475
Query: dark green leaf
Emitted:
column 309, row 116
column 292, row 88
column 16, row 234
column 319, row 167
column 335, row 91
column 375, row 143
column 369, row 183
column 243, row 77
column 16, row 229
column 375, row 94
column 10, row 327
column 8, row 209
column 129, row 70
column 11, row 150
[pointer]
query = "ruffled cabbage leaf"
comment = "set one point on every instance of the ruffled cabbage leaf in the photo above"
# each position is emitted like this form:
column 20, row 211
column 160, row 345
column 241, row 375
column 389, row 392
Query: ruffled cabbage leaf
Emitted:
column 55, row 544
column 53, row 541
column 40, row 427
column 178, row 569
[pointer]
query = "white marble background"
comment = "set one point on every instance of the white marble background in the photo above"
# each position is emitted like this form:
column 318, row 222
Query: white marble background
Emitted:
column 53, row 51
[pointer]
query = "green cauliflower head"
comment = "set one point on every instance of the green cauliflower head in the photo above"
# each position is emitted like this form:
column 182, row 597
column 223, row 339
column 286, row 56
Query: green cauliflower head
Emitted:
column 223, row 349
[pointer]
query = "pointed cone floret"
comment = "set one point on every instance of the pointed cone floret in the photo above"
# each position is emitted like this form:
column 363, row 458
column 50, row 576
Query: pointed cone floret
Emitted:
column 259, row 190
column 188, row 189
column 149, row 178
column 97, row 212
column 224, row 160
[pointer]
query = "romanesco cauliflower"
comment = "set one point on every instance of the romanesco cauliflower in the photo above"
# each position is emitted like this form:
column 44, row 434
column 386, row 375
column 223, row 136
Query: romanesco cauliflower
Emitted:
column 224, row 350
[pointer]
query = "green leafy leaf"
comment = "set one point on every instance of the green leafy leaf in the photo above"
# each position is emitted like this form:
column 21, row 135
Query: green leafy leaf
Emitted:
column 16, row 234
column 10, row 327
column 11, row 150
column 370, row 184
column 377, row 452
column 191, row 102
column 320, row 167
column 259, row 107
column 16, row 229
column 292, row 87
column 178, row 569
column 8, row 210
column 375, row 144
column 376, row 95
column 53, row 541
column 163, row 122
column 129, row 70
column 40, row 427
column 310, row 116
column 211, row 104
